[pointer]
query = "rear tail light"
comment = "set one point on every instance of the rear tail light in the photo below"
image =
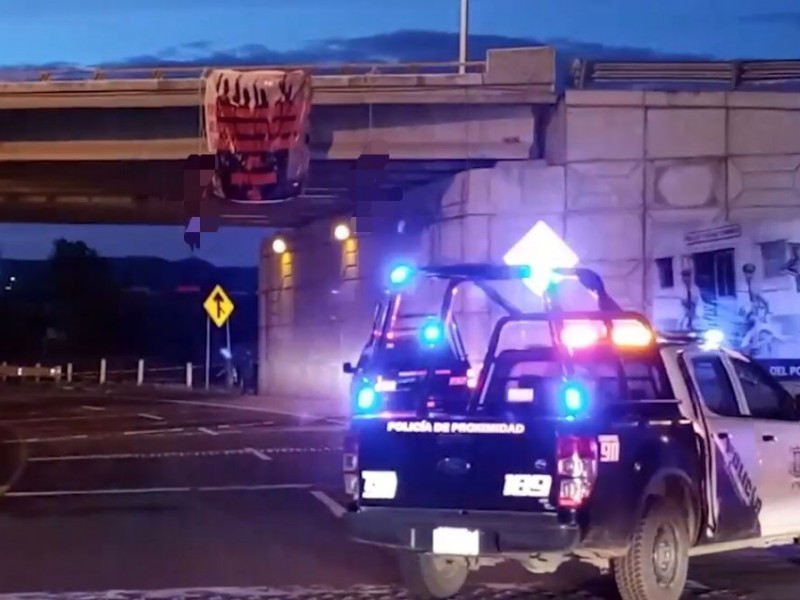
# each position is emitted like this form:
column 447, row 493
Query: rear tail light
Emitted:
column 577, row 459
column 472, row 378
column 350, row 465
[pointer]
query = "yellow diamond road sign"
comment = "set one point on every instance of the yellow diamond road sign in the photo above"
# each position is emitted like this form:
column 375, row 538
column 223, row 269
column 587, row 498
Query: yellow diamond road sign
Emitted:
column 218, row 306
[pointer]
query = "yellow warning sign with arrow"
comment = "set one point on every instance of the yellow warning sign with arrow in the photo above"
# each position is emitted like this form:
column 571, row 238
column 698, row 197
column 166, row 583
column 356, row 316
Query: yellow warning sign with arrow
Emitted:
column 219, row 306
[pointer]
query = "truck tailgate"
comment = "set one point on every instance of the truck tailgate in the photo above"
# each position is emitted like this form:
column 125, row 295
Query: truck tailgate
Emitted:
column 458, row 463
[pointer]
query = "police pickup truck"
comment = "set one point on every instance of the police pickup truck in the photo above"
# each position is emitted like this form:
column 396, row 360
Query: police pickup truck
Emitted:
column 415, row 350
column 608, row 445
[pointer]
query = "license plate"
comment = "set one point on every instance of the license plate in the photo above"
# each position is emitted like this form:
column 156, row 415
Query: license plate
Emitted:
column 456, row 541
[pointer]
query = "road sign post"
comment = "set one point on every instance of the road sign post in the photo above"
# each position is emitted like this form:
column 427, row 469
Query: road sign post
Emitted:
column 219, row 308
column 208, row 353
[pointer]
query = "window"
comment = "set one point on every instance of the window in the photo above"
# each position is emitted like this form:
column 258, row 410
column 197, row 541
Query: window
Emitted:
column 765, row 398
column 608, row 376
column 715, row 386
column 666, row 274
column 714, row 274
column 773, row 257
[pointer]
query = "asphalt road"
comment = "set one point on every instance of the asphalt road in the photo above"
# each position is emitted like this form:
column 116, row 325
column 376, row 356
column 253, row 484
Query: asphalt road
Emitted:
column 166, row 496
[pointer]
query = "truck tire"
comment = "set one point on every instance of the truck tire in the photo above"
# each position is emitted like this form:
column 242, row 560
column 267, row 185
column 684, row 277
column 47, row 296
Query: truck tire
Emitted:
column 430, row 577
column 657, row 563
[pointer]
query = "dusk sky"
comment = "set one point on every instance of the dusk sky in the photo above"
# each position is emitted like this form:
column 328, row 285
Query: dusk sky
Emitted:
column 91, row 32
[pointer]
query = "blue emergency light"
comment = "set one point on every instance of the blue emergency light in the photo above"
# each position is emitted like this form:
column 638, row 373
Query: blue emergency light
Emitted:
column 575, row 398
column 366, row 398
column 432, row 332
column 401, row 274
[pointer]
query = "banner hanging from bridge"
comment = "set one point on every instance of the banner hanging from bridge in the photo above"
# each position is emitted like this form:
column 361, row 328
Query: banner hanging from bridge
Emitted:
column 257, row 125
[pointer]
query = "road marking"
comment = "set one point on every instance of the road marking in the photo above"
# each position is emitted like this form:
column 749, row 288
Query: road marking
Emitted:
column 63, row 438
column 152, row 431
column 258, row 409
column 304, row 429
column 207, row 430
column 695, row 586
column 62, row 419
column 159, row 490
column 332, row 505
column 151, row 417
column 295, row 592
column 179, row 431
column 95, row 408
column 212, row 405
column 259, row 454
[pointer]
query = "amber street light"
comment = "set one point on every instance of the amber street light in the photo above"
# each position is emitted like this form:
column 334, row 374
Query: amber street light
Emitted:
column 278, row 246
column 341, row 232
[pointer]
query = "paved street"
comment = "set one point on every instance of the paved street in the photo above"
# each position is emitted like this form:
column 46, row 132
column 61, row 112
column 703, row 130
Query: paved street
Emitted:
column 166, row 496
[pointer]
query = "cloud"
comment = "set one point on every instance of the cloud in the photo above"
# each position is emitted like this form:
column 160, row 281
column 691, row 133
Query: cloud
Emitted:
column 791, row 18
column 399, row 46
column 408, row 46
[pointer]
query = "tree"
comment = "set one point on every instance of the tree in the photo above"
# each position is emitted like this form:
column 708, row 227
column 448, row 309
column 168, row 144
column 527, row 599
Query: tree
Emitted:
column 86, row 298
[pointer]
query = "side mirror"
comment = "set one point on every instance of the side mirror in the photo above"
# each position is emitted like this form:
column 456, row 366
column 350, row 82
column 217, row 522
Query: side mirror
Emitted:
column 348, row 368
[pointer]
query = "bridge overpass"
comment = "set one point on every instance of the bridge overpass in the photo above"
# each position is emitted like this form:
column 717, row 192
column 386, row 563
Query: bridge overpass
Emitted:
column 107, row 146
column 668, row 162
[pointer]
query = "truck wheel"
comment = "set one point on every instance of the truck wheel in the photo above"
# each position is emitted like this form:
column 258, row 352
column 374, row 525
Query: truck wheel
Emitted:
column 657, row 562
column 432, row 577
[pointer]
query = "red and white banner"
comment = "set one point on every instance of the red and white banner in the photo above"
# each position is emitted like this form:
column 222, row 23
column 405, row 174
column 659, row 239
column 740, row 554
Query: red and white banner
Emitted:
column 257, row 125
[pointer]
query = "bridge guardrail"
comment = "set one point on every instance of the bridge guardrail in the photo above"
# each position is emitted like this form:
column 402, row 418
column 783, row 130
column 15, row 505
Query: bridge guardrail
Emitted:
column 196, row 72
column 731, row 74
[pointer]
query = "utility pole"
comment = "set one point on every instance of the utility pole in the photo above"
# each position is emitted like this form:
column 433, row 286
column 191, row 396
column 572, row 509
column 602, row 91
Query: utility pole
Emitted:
column 463, row 34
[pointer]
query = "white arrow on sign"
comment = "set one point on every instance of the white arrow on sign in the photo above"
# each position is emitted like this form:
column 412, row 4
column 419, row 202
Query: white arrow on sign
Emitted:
column 543, row 250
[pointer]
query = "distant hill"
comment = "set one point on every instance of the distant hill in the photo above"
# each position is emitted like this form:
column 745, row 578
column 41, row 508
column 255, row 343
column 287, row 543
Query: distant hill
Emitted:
column 144, row 273
column 405, row 46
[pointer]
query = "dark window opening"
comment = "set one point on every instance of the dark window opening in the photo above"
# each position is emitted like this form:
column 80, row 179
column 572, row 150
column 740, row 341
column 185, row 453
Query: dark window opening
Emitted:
column 715, row 274
column 666, row 274
column 773, row 257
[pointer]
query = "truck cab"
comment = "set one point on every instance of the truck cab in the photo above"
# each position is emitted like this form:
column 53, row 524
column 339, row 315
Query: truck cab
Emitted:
column 609, row 445
column 415, row 358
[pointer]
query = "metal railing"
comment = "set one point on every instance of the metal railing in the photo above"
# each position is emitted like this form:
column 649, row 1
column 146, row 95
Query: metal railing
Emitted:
column 11, row 74
column 188, row 375
column 732, row 74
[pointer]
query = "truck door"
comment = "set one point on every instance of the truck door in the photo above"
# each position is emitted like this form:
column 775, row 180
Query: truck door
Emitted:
column 732, row 480
column 777, row 438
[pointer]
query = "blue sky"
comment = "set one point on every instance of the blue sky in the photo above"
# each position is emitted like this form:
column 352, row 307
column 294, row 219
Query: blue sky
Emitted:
column 91, row 32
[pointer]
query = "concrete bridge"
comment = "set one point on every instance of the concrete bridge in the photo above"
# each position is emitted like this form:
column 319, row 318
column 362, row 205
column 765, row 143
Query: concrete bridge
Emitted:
column 108, row 147
column 639, row 180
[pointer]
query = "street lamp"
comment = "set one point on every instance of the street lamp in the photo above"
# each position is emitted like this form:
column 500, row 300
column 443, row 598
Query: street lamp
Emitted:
column 341, row 232
column 278, row 246
column 463, row 34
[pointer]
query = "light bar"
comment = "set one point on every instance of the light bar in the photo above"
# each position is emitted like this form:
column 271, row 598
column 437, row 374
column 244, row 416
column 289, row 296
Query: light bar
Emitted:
column 631, row 333
column 582, row 334
column 628, row 333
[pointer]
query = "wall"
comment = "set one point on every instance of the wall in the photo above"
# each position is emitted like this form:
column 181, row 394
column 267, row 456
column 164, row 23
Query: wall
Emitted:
column 628, row 175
